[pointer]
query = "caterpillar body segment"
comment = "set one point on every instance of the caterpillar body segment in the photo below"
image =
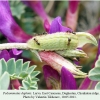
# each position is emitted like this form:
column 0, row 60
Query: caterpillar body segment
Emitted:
column 54, row 42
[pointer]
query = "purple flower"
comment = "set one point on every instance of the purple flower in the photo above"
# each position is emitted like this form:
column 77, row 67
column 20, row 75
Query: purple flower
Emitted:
column 57, row 63
column 46, row 25
column 67, row 80
column 15, row 83
column 52, row 77
column 11, row 54
column 14, row 53
column 8, row 26
column 4, row 54
column 73, row 5
column 87, row 84
column 54, row 80
column 72, row 14
column 59, row 75
column 56, row 26
column 95, row 30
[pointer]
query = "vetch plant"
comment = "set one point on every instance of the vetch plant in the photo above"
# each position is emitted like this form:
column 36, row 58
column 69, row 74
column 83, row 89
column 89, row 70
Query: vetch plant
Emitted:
column 59, row 49
column 12, row 70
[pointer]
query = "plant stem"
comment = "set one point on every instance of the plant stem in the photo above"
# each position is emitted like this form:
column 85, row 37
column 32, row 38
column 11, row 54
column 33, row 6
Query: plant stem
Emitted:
column 14, row 45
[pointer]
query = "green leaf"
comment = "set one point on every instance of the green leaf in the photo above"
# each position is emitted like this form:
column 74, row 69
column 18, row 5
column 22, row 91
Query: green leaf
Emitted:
column 33, row 83
column 4, row 65
column 28, row 26
column 94, row 74
column 97, row 87
column 25, row 66
column 35, row 79
column 28, row 79
column 33, row 88
column 25, row 84
column 85, row 38
column 97, row 64
column 30, row 69
column 11, row 66
column 18, row 70
column 4, row 81
column 34, row 74
column 22, row 88
column 19, row 64
column 15, row 77
column 17, row 8
column 23, row 74
column 29, row 86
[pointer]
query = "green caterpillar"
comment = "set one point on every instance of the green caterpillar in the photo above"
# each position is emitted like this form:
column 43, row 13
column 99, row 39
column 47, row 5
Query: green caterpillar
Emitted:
column 53, row 42
column 63, row 43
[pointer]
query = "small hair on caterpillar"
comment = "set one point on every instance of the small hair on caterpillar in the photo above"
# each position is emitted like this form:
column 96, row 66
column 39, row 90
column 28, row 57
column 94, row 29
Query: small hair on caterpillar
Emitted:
column 36, row 41
column 44, row 33
column 68, row 32
column 73, row 33
column 69, row 40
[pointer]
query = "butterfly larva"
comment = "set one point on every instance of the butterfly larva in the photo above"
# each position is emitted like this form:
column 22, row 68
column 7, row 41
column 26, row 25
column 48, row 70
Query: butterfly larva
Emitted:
column 52, row 42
